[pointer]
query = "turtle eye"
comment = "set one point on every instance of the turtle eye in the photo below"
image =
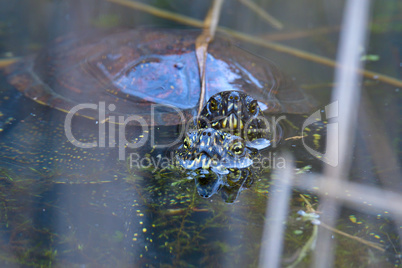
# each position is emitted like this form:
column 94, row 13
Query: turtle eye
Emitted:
column 186, row 142
column 253, row 107
column 237, row 148
column 213, row 105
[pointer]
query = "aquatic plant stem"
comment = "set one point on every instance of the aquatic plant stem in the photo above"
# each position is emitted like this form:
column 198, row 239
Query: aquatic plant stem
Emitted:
column 201, row 45
column 361, row 240
column 345, row 98
column 276, row 213
column 318, row 31
column 306, row 248
column 188, row 212
column 262, row 14
column 310, row 209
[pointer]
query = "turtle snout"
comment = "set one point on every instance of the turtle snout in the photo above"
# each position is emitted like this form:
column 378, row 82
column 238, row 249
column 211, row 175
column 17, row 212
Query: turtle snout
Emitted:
column 233, row 102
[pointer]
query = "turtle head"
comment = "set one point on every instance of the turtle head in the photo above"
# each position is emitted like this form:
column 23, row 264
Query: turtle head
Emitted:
column 234, row 112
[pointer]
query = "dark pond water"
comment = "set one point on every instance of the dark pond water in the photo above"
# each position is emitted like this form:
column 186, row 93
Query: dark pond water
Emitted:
column 66, row 206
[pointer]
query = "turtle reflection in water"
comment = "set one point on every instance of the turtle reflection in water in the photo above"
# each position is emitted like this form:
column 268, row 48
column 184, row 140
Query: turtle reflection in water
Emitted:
column 219, row 161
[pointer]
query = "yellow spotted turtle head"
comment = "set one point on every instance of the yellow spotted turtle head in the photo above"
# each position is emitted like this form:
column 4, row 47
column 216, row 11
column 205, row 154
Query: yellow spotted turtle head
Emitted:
column 234, row 112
